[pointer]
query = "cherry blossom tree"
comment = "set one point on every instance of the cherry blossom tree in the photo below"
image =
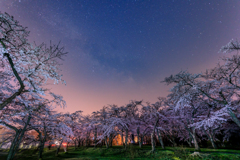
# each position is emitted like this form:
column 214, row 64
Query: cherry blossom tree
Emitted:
column 119, row 120
column 25, row 69
column 131, row 114
column 24, row 72
column 43, row 122
column 143, row 128
column 61, row 132
column 75, row 123
column 155, row 116
column 217, row 89
column 18, row 121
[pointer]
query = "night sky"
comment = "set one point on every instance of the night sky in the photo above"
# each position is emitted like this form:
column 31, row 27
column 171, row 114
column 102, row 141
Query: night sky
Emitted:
column 120, row 50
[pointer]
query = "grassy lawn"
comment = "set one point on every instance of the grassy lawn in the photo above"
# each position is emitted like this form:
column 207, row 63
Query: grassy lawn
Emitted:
column 133, row 152
column 209, row 150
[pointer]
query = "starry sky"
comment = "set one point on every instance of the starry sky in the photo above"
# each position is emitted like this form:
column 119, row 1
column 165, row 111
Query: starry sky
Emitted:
column 121, row 50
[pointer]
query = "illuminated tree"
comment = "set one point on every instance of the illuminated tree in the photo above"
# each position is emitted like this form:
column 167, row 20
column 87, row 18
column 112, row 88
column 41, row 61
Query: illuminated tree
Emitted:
column 211, row 97
column 17, row 120
column 25, row 69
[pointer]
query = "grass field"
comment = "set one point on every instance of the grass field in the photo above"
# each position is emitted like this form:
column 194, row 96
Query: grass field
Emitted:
column 133, row 152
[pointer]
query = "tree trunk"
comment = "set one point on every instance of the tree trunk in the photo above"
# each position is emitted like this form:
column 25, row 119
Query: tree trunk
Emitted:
column 138, row 136
column 189, row 143
column 210, row 137
column 141, row 142
column 67, row 146
column 106, row 142
column 234, row 118
column 79, row 141
column 132, row 138
column 102, row 144
column 75, row 144
column 190, row 140
column 49, row 146
column 110, row 140
column 160, row 138
column 58, row 149
column 12, row 147
column 212, row 141
column 192, row 134
column 152, row 142
column 122, row 138
column 87, row 139
column 17, row 140
column 195, row 140
column 152, row 136
column 95, row 138
column 41, row 147
column 126, row 138
column 42, row 142
column 171, row 139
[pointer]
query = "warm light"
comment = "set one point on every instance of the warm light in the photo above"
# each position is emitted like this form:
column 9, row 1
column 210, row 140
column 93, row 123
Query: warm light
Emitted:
column 64, row 144
column 53, row 145
column 56, row 142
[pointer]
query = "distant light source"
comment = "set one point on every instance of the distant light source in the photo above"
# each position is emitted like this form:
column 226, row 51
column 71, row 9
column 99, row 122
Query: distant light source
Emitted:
column 64, row 144
column 56, row 142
